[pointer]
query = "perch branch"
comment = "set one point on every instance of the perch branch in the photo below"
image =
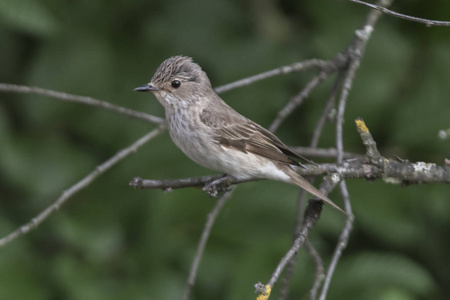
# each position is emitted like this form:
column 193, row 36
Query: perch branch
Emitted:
column 392, row 171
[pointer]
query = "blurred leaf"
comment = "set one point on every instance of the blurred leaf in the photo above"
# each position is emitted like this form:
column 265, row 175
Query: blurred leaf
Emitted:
column 28, row 15
column 379, row 273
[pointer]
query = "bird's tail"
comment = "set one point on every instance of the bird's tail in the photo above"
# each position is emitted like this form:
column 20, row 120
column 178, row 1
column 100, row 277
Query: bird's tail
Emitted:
column 304, row 184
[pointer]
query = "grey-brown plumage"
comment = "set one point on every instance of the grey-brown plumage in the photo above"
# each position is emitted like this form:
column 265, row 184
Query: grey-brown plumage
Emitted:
column 213, row 134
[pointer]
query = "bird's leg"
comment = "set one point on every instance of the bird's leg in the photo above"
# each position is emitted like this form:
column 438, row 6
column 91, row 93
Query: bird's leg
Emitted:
column 307, row 160
column 217, row 186
column 302, row 166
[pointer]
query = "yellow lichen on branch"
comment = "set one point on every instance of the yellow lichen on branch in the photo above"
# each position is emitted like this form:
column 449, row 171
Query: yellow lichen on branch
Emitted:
column 266, row 294
column 361, row 125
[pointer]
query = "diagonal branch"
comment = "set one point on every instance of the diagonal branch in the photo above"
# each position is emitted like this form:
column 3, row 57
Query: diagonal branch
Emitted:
column 212, row 216
column 300, row 207
column 342, row 242
column 355, row 53
column 297, row 100
column 402, row 16
column 295, row 67
column 83, row 183
column 312, row 215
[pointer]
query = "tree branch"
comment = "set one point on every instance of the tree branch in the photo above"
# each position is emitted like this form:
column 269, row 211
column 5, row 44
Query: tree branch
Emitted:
column 355, row 53
column 342, row 242
column 212, row 216
column 312, row 215
column 392, row 171
column 22, row 89
column 402, row 16
column 295, row 67
column 297, row 100
column 83, row 183
column 300, row 206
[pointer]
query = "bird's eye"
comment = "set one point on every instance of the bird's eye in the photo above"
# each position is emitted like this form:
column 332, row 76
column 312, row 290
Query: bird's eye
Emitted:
column 176, row 84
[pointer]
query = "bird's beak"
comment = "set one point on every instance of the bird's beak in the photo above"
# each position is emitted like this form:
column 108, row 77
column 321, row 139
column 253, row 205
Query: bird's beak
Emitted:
column 146, row 88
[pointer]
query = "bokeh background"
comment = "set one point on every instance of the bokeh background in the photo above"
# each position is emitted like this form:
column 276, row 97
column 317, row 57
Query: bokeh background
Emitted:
column 114, row 242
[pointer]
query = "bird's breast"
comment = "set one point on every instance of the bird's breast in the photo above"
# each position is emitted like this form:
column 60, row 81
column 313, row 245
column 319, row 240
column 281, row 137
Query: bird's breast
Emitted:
column 188, row 134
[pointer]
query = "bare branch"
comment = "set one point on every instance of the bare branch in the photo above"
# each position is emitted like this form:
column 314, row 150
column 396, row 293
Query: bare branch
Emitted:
column 320, row 274
column 325, row 112
column 392, row 172
column 172, row 184
column 295, row 67
column 300, row 204
column 297, row 100
column 372, row 152
column 427, row 22
column 6, row 87
column 342, row 242
column 284, row 289
column 212, row 216
column 312, row 214
column 348, row 81
column 83, row 183
column 355, row 52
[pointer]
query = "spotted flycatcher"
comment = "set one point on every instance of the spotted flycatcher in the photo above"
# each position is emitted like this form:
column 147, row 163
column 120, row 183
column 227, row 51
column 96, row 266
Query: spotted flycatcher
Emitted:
column 213, row 134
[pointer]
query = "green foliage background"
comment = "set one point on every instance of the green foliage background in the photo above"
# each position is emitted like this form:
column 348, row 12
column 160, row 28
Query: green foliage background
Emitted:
column 114, row 242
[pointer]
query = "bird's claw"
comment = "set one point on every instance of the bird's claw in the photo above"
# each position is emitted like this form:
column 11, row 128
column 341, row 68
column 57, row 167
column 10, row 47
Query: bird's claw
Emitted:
column 214, row 188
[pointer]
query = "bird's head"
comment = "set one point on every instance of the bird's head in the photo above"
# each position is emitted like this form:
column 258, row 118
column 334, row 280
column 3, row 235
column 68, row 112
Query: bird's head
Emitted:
column 178, row 81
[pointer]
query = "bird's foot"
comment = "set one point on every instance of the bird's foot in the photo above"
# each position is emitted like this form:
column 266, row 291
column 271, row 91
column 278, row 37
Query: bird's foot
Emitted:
column 218, row 186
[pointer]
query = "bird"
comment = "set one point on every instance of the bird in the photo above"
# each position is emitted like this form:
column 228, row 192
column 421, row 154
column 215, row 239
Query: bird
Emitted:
column 214, row 135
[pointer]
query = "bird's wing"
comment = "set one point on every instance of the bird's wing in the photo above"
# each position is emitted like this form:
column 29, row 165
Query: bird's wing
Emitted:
column 237, row 132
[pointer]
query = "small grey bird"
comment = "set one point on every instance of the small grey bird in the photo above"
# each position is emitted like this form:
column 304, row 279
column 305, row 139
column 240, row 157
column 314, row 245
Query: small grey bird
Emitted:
column 213, row 134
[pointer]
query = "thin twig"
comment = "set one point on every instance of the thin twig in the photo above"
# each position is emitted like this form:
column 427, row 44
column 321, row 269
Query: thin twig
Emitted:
column 355, row 52
column 347, row 85
column 324, row 152
column 342, row 242
column 312, row 214
column 297, row 100
column 320, row 271
column 212, row 216
column 372, row 152
column 6, row 87
column 300, row 204
column 320, row 274
column 284, row 289
column 325, row 112
column 83, row 183
column 348, row 80
column 402, row 16
column 295, row 67
column 311, row 217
